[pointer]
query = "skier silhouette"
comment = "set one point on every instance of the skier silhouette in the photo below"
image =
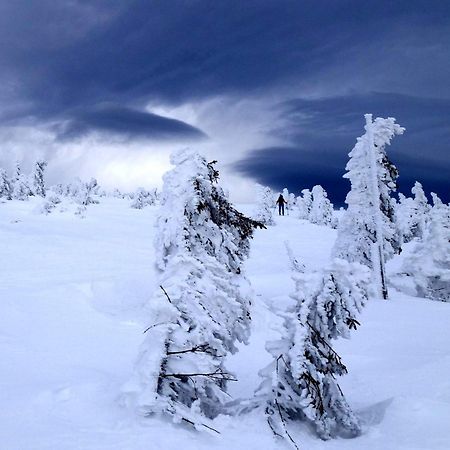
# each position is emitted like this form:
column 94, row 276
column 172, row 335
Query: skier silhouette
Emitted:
column 281, row 202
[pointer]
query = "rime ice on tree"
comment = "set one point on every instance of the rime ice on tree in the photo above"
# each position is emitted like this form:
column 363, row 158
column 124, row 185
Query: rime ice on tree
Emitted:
column 21, row 189
column 265, row 206
column 429, row 263
column 301, row 383
column 412, row 214
column 202, row 309
column 38, row 178
column 6, row 188
column 304, row 204
column 321, row 209
column 367, row 232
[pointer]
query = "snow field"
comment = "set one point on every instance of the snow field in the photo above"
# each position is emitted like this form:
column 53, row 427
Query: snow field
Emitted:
column 72, row 311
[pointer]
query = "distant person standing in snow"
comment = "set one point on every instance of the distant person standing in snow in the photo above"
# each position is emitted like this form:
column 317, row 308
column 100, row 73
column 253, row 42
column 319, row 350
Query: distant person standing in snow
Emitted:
column 281, row 202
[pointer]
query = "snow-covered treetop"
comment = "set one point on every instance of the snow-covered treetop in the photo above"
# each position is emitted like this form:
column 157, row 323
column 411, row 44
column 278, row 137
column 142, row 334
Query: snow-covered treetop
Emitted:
column 197, row 216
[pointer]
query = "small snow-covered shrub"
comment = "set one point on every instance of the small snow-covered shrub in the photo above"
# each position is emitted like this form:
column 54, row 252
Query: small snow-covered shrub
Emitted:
column 428, row 266
column 265, row 205
column 321, row 210
column 143, row 198
column 300, row 383
column 6, row 188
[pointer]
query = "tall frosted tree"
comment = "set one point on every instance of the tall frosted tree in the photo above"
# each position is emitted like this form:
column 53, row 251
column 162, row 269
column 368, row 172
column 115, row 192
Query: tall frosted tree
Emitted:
column 265, row 205
column 38, row 178
column 301, row 382
column 428, row 264
column 203, row 307
column 321, row 211
column 420, row 211
column 17, row 170
column 404, row 214
column 367, row 232
column 304, row 204
column 412, row 214
column 21, row 189
column 6, row 187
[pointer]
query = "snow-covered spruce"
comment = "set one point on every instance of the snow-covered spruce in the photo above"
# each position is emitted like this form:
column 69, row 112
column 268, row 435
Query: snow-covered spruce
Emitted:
column 202, row 309
column 304, row 204
column 412, row 214
column 21, row 190
column 265, row 206
column 6, row 188
column 367, row 232
column 300, row 383
column 49, row 203
column 429, row 263
column 38, row 178
column 290, row 200
column 321, row 211
column 143, row 198
column 404, row 217
column 83, row 194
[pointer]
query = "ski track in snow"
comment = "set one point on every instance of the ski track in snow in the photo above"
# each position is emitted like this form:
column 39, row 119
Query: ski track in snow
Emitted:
column 73, row 294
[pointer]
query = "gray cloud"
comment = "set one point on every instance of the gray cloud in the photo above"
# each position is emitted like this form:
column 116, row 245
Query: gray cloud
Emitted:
column 117, row 120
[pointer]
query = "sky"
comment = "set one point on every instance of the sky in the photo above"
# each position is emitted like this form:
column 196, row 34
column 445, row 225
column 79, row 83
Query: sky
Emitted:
column 274, row 90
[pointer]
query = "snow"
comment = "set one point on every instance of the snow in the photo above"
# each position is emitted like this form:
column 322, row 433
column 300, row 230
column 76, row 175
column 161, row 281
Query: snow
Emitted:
column 72, row 313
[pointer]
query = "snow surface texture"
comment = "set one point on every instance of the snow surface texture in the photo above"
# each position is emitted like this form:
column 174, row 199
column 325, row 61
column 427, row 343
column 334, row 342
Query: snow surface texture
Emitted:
column 72, row 314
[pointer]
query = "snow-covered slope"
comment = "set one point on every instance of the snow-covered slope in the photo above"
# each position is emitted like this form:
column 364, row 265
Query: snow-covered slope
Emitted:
column 72, row 311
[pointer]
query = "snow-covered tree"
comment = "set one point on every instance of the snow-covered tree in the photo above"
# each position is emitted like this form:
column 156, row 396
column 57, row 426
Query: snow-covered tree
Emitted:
column 83, row 194
column 17, row 171
column 429, row 263
column 420, row 211
column 300, row 383
column 143, row 198
column 59, row 189
column 304, row 204
column 321, row 212
column 404, row 211
column 6, row 187
column 38, row 178
column 287, row 198
column 202, row 309
column 265, row 206
column 412, row 214
column 49, row 203
column 21, row 189
column 367, row 232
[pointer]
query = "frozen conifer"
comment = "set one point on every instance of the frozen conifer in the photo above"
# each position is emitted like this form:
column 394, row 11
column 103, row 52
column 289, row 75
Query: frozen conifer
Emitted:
column 49, row 203
column 321, row 212
column 143, row 198
column 304, row 204
column 420, row 211
column 6, row 187
column 404, row 213
column 367, row 232
column 412, row 214
column 429, row 263
column 301, row 384
column 38, row 178
column 265, row 206
column 21, row 188
column 202, row 309
column 288, row 197
column 17, row 171
column 83, row 194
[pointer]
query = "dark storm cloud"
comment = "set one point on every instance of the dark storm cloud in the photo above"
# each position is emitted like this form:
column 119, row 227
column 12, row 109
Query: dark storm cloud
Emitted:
column 130, row 123
column 63, row 54
column 60, row 60
column 320, row 133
